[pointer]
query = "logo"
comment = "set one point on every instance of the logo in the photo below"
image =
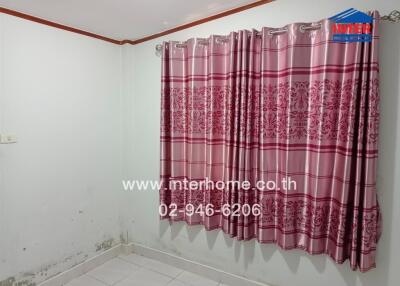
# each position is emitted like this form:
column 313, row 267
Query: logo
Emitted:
column 352, row 26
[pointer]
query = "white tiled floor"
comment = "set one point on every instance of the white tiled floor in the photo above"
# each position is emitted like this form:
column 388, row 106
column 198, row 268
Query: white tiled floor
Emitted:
column 136, row 270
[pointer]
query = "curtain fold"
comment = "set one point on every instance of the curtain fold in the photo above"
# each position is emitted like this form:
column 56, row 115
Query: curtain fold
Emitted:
column 264, row 107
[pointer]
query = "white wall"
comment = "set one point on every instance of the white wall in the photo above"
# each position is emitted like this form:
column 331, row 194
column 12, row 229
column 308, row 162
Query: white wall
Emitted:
column 60, row 189
column 265, row 263
column 60, row 94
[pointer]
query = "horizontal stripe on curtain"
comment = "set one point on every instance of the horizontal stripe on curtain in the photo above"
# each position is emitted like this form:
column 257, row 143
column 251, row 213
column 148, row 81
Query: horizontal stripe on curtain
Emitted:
column 255, row 106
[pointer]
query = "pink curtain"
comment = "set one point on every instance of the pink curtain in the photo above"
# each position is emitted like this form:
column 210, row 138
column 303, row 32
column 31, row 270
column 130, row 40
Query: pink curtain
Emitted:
column 261, row 106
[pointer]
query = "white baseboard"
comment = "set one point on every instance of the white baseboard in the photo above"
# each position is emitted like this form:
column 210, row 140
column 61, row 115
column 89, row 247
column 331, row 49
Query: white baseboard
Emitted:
column 191, row 266
column 179, row 262
column 84, row 267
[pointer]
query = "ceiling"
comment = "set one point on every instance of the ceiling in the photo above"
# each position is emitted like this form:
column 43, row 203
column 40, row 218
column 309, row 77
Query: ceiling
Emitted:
column 122, row 19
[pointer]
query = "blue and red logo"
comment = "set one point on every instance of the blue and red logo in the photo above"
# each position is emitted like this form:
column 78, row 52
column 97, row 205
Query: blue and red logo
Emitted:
column 352, row 26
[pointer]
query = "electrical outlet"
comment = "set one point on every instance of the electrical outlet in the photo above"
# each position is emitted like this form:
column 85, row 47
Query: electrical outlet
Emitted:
column 8, row 139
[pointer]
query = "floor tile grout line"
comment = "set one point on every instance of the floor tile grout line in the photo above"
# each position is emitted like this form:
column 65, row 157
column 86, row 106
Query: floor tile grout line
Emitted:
column 94, row 278
column 140, row 268
column 105, row 283
column 125, row 260
column 174, row 280
column 129, row 262
column 163, row 273
column 144, row 266
column 125, row 278
column 176, row 277
column 205, row 277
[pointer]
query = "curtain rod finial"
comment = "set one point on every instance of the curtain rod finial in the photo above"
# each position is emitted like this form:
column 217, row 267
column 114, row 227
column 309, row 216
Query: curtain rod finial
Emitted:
column 393, row 17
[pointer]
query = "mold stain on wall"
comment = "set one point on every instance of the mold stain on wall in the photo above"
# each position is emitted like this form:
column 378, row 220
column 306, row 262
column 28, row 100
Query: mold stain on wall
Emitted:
column 49, row 270
column 104, row 245
column 13, row 282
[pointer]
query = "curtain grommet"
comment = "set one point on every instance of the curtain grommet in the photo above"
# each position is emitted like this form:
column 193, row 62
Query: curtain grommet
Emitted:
column 180, row 45
column 303, row 28
column 273, row 32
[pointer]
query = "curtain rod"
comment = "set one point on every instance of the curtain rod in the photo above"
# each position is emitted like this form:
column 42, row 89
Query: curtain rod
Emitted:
column 392, row 17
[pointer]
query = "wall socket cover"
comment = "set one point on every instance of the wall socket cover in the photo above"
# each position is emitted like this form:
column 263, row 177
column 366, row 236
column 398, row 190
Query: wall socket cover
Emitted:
column 8, row 139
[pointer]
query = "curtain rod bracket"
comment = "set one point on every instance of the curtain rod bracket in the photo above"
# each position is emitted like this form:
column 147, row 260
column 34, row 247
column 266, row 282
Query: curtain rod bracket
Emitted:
column 159, row 48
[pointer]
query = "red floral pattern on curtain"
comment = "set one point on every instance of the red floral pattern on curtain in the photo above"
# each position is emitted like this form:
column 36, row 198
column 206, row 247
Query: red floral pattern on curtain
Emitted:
column 260, row 106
